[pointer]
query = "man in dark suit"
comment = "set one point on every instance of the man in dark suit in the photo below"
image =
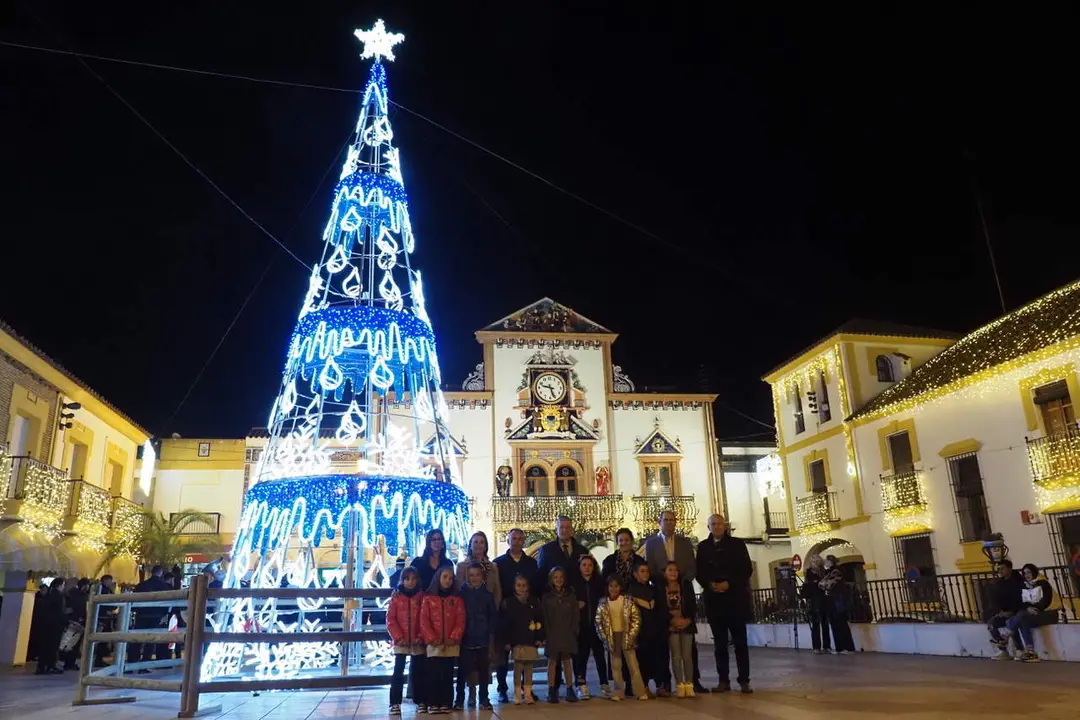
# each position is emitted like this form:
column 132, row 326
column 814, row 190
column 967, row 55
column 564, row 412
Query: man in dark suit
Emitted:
column 149, row 618
column 564, row 551
column 667, row 546
column 724, row 570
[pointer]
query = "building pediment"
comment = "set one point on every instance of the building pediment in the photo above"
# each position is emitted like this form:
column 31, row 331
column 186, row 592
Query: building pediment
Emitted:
column 547, row 316
column 552, row 424
column 658, row 443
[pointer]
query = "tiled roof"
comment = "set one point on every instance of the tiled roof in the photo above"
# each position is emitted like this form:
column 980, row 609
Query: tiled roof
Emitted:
column 1009, row 340
column 64, row 371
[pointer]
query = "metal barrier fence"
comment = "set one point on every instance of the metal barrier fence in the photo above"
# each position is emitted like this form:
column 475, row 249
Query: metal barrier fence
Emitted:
column 950, row 598
column 198, row 601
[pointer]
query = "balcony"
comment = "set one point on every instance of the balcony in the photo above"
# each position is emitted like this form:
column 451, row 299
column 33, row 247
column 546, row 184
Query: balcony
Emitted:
column 646, row 511
column 776, row 524
column 38, row 494
column 89, row 514
column 1055, row 459
column 815, row 512
column 597, row 513
column 904, row 502
column 128, row 523
column 197, row 526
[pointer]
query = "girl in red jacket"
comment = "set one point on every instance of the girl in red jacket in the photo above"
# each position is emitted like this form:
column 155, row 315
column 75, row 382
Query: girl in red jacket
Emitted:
column 442, row 623
column 403, row 624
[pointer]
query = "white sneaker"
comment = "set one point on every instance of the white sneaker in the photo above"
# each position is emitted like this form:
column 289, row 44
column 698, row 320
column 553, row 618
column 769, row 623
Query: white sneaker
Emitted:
column 1001, row 654
column 605, row 690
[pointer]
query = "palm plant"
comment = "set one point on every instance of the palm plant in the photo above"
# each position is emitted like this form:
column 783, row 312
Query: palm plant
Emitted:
column 163, row 540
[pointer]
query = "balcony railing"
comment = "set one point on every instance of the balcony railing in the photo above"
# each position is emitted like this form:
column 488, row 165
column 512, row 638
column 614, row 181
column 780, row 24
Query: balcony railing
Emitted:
column 128, row 523
column 816, row 510
column 1056, row 457
column 646, row 509
column 40, row 492
column 89, row 513
column 776, row 523
column 603, row 513
column 902, row 491
column 197, row 526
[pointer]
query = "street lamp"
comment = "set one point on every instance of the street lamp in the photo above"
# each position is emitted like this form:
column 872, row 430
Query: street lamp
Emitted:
column 995, row 549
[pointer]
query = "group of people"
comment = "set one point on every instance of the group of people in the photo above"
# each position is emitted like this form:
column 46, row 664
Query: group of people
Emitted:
column 1025, row 600
column 825, row 593
column 633, row 615
column 56, row 604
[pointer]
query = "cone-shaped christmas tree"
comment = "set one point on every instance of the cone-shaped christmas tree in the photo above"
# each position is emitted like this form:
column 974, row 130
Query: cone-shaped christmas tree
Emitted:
column 359, row 464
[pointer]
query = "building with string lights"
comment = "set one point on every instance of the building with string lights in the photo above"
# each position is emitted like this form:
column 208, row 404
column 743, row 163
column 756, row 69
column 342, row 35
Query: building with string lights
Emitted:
column 901, row 449
column 69, row 482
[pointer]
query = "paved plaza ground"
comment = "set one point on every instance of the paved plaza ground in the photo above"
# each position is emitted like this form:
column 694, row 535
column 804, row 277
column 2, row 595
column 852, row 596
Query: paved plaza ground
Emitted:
column 790, row 686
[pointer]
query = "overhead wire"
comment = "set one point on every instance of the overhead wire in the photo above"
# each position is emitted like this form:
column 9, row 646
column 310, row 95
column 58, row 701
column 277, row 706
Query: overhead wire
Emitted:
column 311, row 86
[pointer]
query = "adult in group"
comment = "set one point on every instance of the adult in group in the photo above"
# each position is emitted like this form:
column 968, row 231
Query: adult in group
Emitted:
column 1008, row 600
column 666, row 546
column 107, row 617
column 564, row 551
column 723, row 571
column 624, row 561
column 53, row 619
column 478, row 553
column 433, row 558
column 148, row 618
column 510, row 564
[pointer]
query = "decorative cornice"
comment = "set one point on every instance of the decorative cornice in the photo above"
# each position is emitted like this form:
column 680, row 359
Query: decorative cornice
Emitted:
column 517, row 339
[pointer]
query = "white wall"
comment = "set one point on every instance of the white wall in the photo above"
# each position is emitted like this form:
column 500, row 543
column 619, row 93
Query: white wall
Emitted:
column 219, row 491
column 685, row 424
column 992, row 413
column 476, row 426
column 98, row 456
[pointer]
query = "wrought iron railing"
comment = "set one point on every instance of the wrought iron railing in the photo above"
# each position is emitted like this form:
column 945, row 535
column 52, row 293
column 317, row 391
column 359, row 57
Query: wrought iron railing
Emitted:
column 815, row 510
column 645, row 512
column 90, row 509
column 776, row 523
column 952, row 598
column 902, row 491
column 197, row 526
column 128, row 524
column 603, row 513
column 44, row 491
column 1055, row 456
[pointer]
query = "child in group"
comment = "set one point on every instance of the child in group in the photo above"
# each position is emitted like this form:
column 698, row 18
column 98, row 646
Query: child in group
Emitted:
column 652, row 641
column 442, row 625
column 589, row 588
column 403, row 624
column 618, row 623
column 521, row 633
column 561, row 620
column 680, row 605
column 479, row 627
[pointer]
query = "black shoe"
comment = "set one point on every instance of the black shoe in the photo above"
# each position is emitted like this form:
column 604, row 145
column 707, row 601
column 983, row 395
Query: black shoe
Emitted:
column 503, row 697
column 54, row 671
column 535, row 699
column 485, row 705
column 459, row 706
column 571, row 696
column 745, row 689
column 553, row 695
column 723, row 687
column 701, row 689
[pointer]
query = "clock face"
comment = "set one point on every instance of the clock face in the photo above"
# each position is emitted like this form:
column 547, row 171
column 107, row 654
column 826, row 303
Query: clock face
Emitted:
column 549, row 387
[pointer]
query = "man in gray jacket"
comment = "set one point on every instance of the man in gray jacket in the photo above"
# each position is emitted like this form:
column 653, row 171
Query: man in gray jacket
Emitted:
column 664, row 547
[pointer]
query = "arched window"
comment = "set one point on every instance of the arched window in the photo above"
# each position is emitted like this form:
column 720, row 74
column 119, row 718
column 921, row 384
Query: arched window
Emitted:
column 566, row 481
column 536, row 481
column 884, row 369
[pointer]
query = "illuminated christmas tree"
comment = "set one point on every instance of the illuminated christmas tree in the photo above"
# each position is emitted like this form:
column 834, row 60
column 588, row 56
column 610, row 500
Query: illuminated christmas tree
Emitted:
column 359, row 455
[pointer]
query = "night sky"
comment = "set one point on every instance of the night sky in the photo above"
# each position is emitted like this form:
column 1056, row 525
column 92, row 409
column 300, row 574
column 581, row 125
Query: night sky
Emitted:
column 799, row 169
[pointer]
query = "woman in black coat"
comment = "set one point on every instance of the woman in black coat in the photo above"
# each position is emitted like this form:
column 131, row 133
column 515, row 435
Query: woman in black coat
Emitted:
column 53, row 623
column 624, row 561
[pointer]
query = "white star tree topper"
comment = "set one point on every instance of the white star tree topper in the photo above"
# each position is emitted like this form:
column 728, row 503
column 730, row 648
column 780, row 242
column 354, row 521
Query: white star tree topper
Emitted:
column 378, row 43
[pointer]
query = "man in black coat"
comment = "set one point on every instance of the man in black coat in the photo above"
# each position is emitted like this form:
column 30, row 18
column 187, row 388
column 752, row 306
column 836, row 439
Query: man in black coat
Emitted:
column 724, row 570
column 564, row 551
column 1008, row 600
column 149, row 618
